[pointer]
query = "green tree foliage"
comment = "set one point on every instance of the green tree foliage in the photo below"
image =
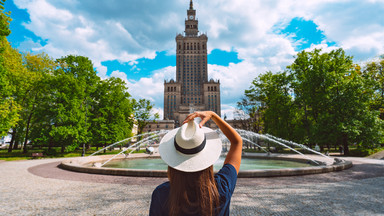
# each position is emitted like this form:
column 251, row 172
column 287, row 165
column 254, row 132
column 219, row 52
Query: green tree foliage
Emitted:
column 374, row 73
column 143, row 114
column 248, row 114
column 63, row 102
column 111, row 115
column 323, row 98
column 77, row 107
column 67, row 103
column 38, row 68
column 273, row 94
column 4, row 21
column 10, row 62
column 334, row 96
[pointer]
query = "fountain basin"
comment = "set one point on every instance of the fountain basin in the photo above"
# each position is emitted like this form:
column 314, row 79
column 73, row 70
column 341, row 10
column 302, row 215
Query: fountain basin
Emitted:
column 89, row 165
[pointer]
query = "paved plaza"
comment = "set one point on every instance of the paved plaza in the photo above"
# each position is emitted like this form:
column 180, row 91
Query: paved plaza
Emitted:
column 38, row 187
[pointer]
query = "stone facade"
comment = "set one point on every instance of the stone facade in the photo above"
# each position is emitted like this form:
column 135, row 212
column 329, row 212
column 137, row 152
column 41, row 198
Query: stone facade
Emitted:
column 159, row 125
column 192, row 90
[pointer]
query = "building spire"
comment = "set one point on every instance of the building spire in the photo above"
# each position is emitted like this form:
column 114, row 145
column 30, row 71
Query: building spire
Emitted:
column 191, row 5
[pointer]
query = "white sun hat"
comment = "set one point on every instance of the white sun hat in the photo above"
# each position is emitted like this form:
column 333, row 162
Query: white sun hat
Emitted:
column 190, row 148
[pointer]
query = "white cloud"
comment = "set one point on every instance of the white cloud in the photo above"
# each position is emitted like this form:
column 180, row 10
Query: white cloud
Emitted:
column 29, row 44
column 102, row 71
column 227, row 110
column 159, row 111
column 111, row 30
column 126, row 31
column 120, row 75
column 323, row 46
column 72, row 30
column 150, row 88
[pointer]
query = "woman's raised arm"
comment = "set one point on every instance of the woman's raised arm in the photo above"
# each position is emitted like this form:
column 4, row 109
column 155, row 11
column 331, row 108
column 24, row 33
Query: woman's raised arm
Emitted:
column 234, row 153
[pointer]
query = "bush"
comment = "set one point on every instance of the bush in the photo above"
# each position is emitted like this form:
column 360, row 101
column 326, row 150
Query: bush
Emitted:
column 363, row 152
column 50, row 152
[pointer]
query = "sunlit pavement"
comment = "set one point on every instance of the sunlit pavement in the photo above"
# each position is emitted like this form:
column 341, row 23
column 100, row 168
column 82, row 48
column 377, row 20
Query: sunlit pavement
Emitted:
column 38, row 187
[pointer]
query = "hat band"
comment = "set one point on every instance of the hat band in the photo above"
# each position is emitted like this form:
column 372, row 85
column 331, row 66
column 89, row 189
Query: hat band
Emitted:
column 192, row 150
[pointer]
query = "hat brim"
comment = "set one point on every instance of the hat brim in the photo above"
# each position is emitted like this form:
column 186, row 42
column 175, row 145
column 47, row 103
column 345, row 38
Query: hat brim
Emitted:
column 195, row 162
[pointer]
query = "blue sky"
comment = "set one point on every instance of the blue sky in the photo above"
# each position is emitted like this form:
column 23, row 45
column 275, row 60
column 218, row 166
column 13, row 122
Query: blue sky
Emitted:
column 145, row 66
column 135, row 40
column 305, row 33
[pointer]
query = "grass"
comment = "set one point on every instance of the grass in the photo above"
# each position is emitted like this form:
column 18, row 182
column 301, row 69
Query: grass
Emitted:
column 53, row 153
column 289, row 151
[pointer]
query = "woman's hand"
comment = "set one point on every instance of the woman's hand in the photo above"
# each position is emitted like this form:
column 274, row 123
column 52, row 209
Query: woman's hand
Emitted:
column 234, row 153
column 204, row 115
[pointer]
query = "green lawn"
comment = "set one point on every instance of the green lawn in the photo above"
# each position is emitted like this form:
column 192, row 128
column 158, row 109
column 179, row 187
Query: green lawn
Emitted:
column 54, row 153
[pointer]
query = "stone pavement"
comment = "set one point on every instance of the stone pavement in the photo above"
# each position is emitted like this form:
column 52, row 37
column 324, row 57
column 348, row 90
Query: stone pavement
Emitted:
column 38, row 187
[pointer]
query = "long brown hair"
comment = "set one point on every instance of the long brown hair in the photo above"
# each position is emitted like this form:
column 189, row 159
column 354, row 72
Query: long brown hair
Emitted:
column 192, row 192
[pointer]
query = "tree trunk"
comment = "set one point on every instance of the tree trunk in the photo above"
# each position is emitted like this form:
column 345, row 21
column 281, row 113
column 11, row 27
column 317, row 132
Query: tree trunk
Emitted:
column 50, row 144
column 306, row 124
column 16, row 143
column 10, row 148
column 62, row 148
column 26, row 133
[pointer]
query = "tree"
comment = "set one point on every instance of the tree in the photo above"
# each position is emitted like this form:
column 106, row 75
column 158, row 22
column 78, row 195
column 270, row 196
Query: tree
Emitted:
column 39, row 67
column 143, row 113
column 272, row 95
column 374, row 73
column 111, row 113
column 8, row 107
column 64, row 105
column 18, row 78
column 249, row 115
column 334, row 98
column 322, row 98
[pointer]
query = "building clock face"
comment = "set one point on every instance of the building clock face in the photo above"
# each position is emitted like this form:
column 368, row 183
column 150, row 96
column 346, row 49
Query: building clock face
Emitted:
column 191, row 17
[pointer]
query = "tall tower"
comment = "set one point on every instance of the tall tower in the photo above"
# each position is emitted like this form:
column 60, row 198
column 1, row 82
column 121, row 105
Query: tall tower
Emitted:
column 191, row 91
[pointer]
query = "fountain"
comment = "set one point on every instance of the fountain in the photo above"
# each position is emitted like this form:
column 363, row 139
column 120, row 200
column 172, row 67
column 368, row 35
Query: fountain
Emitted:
column 289, row 164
